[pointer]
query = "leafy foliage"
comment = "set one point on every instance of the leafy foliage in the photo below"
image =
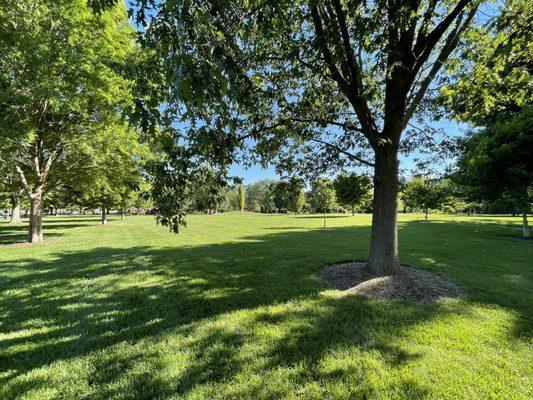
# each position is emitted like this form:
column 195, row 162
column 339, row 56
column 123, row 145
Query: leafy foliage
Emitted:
column 493, row 75
column 242, row 197
column 322, row 196
column 424, row 194
column 350, row 189
column 497, row 161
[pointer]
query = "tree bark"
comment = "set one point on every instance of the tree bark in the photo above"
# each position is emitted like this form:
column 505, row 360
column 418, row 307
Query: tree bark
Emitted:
column 15, row 210
column 35, row 231
column 525, row 225
column 426, row 212
column 122, row 214
column 324, row 217
column 353, row 211
column 383, row 258
column 104, row 216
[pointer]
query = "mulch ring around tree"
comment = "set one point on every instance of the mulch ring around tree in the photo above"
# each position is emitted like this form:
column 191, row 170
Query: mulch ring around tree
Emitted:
column 410, row 284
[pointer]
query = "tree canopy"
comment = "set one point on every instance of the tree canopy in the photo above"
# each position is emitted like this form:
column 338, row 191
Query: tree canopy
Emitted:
column 60, row 80
column 497, row 161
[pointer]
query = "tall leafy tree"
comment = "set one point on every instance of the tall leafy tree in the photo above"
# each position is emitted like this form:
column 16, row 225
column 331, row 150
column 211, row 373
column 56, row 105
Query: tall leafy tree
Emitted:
column 314, row 85
column 351, row 189
column 491, row 88
column 58, row 81
column 497, row 162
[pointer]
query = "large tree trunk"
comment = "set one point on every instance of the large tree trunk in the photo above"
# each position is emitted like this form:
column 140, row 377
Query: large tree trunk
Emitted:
column 383, row 258
column 15, row 210
column 525, row 226
column 104, row 216
column 35, row 231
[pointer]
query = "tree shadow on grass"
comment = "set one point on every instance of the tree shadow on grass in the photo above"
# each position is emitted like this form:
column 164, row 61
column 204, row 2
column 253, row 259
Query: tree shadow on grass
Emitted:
column 210, row 303
column 54, row 227
column 321, row 216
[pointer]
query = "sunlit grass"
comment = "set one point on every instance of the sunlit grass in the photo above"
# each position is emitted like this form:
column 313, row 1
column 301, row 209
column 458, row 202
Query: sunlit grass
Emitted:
column 229, row 309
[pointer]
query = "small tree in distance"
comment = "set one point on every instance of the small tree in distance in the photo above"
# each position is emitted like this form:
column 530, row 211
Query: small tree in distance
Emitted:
column 322, row 196
column 242, row 197
column 424, row 194
column 350, row 189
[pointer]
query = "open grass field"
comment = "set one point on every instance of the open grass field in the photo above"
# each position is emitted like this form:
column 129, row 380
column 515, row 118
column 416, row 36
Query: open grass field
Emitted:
column 229, row 309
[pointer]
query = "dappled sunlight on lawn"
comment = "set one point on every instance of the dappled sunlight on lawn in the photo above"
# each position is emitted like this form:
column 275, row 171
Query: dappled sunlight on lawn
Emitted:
column 237, row 313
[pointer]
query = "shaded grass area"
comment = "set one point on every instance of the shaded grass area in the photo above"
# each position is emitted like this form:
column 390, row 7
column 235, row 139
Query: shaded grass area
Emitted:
column 229, row 310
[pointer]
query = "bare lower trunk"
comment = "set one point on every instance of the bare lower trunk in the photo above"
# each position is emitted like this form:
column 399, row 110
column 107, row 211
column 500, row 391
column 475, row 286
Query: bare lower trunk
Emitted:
column 353, row 211
column 383, row 258
column 35, row 231
column 525, row 226
column 104, row 216
column 324, row 217
column 426, row 212
column 122, row 214
column 15, row 210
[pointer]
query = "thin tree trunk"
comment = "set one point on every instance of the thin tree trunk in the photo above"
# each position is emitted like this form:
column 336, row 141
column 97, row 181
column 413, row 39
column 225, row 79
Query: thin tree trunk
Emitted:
column 324, row 217
column 104, row 216
column 525, row 225
column 383, row 259
column 15, row 210
column 426, row 212
column 353, row 211
column 122, row 214
column 35, row 231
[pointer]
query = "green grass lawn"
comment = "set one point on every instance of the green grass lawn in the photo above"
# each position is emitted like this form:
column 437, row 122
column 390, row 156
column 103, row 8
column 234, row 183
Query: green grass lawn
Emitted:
column 229, row 309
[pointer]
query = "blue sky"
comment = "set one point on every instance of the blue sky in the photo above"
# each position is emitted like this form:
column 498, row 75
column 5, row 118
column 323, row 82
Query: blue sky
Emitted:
column 256, row 173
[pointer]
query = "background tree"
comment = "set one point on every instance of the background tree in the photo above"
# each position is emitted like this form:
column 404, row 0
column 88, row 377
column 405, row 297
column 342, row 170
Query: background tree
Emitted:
column 258, row 196
column 57, row 80
column 491, row 88
column 10, row 187
column 296, row 194
column 281, row 195
column 242, row 197
column 298, row 201
column 350, row 189
column 497, row 162
column 313, row 84
column 322, row 196
column 424, row 194
column 115, row 169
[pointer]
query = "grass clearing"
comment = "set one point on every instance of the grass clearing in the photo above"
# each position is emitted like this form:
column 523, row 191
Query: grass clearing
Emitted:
column 229, row 309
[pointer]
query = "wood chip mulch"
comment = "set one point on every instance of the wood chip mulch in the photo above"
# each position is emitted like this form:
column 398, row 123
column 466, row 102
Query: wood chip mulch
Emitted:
column 410, row 284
